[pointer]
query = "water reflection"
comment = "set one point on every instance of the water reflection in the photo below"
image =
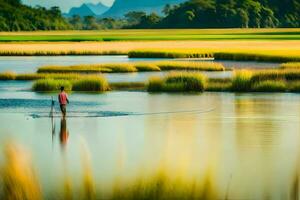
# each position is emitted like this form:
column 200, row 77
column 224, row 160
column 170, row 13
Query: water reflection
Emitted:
column 63, row 133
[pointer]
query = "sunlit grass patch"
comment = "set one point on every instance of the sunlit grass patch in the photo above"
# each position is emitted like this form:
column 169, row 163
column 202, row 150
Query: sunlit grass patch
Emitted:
column 8, row 75
column 290, row 65
column 266, row 57
column 168, row 54
column 155, row 84
column 241, row 81
column 178, row 82
column 197, row 66
column 47, row 85
column 288, row 74
column 91, row 84
column 270, row 86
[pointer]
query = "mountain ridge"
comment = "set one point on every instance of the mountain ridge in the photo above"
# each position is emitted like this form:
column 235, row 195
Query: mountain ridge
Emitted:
column 121, row 7
column 88, row 9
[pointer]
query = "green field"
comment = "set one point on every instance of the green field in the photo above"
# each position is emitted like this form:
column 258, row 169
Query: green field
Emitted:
column 150, row 35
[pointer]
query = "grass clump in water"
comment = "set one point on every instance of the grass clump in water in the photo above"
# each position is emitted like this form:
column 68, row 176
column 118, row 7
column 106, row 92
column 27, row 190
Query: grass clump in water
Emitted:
column 185, row 82
column 270, row 86
column 155, row 84
column 241, row 81
column 8, row 75
column 178, row 82
column 47, row 85
column 91, row 84
column 197, row 66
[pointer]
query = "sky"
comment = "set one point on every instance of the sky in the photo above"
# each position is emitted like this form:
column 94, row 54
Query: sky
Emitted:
column 64, row 5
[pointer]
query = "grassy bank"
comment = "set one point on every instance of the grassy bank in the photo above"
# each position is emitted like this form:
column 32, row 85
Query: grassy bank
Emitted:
column 237, row 55
column 134, row 67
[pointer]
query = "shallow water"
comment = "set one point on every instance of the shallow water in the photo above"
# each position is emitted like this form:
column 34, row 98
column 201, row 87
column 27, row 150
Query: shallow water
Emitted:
column 31, row 63
column 248, row 144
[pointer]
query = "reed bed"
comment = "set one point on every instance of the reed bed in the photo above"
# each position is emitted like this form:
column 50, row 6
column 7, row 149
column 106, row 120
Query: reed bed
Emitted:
column 270, row 86
column 178, row 82
column 48, row 85
column 167, row 54
column 242, row 54
column 290, row 65
column 6, row 76
column 95, row 84
column 241, row 81
column 288, row 75
column 84, row 84
column 196, row 66
column 134, row 67
column 60, row 53
column 264, row 57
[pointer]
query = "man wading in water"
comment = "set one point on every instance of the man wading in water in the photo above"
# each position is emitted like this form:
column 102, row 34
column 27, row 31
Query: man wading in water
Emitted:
column 63, row 101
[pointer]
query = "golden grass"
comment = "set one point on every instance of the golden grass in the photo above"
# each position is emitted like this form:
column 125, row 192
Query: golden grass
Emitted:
column 178, row 82
column 19, row 181
column 8, row 75
column 134, row 67
column 290, row 47
column 290, row 65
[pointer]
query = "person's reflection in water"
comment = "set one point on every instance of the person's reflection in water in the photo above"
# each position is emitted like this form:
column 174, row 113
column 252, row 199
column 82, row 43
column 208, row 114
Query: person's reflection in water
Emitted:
column 64, row 133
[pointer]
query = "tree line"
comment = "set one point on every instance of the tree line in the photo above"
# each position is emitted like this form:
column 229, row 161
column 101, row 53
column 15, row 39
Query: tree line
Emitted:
column 226, row 14
column 14, row 16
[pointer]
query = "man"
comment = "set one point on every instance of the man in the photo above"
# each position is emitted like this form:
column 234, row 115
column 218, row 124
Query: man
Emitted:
column 63, row 101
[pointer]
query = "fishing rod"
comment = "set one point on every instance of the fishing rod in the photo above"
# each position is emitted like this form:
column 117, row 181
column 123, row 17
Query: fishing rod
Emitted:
column 51, row 115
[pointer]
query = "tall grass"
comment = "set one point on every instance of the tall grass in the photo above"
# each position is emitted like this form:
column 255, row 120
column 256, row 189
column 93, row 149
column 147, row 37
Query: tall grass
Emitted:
column 241, row 81
column 167, row 54
column 178, row 82
column 290, row 65
column 47, row 85
column 270, row 86
column 265, row 57
column 289, row 75
column 8, row 75
column 197, row 66
column 134, row 67
column 95, row 84
column 18, row 179
column 155, row 84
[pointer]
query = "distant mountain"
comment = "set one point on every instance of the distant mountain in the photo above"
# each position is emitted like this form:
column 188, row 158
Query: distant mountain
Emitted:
column 121, row 7
column 98, row 9
column 88, row 9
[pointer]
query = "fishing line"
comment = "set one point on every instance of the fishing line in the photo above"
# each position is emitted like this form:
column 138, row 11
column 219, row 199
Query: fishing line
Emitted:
column 103, row 114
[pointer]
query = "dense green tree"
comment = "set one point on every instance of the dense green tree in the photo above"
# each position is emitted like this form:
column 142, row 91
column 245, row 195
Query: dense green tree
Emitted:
column 14, row 16
column 134, row 17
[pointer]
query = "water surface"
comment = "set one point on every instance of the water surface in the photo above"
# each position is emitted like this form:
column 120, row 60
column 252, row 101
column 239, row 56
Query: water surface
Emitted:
column 248, row 143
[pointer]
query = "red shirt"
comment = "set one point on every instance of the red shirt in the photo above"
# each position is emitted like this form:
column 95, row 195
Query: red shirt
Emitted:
column 63, row 98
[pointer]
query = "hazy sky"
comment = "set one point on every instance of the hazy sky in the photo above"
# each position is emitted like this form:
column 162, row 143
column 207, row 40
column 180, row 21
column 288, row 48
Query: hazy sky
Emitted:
column 64, row 5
